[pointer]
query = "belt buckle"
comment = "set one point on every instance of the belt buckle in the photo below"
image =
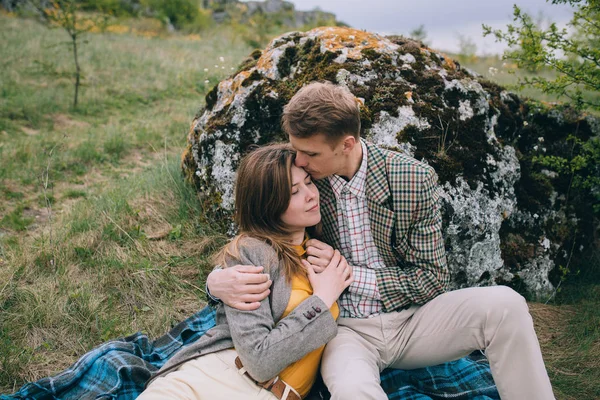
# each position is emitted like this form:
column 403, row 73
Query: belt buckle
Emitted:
column 272, row 385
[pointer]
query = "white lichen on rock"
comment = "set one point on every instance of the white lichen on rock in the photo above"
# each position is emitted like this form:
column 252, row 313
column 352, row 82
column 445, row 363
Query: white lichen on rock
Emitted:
column 342, row 57
column 473, row 231
column 344, row 77
column 269, row 61
column 239, row 101
column 545, row 243
column 465, row 111
column 490, row 125
column 223, row 173
column 408, row 58
column 385, row 131
column 535, row 273
column 506, row 174
column 465, row 86
column 505, row 96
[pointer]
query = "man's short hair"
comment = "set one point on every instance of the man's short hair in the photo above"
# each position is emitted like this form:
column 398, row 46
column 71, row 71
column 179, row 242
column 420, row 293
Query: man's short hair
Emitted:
column 322, row 108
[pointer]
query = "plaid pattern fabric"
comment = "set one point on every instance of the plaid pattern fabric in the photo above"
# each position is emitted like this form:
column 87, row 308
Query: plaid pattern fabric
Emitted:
column 406, row 224
column 467, row 378
column 120, row 369
column 356, row 244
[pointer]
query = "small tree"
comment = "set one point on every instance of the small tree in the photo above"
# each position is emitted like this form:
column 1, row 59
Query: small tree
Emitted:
column 66, row 14
column 467, row 49
column 573, row 54
column 419, row 33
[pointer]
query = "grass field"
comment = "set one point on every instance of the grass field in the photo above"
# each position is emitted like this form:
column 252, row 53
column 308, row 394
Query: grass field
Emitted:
column 99, row 236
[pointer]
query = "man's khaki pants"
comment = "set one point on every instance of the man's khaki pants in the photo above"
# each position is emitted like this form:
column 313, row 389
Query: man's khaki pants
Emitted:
column 494, row 319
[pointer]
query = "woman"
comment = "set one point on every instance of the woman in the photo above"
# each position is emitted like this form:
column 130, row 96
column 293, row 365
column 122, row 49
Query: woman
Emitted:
column 280, row 344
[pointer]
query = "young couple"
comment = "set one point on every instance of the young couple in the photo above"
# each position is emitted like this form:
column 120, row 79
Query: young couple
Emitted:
column 384, row 259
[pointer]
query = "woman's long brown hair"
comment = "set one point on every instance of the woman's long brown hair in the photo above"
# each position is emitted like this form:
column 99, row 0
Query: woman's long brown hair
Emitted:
column 262, row 194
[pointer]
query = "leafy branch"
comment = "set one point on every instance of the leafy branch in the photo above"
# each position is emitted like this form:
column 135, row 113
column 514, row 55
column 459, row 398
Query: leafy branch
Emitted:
column 573, row 54
column 583, row 166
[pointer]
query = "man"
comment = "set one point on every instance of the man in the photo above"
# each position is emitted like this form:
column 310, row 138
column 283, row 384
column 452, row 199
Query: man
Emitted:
column 381, row 210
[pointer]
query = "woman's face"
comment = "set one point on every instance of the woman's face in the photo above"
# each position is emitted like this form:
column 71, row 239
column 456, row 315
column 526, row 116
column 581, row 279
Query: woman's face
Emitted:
column 303, row 210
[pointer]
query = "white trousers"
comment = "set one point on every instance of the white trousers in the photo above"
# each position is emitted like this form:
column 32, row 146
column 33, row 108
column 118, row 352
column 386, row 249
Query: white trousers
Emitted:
column 495, row 319
column 210, row 377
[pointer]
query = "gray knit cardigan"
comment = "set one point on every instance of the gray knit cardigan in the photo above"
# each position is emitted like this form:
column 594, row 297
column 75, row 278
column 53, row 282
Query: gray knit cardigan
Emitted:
column 265, row 342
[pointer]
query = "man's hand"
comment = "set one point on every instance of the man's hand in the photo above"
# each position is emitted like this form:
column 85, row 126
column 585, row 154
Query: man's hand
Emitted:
column 241, row 286
column 319, row 254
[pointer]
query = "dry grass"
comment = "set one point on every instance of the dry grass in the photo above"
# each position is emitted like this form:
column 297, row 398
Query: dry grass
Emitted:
column 572, row 358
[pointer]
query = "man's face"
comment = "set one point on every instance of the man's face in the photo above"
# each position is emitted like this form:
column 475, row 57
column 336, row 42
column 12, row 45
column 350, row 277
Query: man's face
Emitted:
column 317, row 156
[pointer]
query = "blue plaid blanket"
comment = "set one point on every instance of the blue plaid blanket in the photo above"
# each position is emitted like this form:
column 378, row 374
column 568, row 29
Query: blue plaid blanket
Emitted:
column 119, row 369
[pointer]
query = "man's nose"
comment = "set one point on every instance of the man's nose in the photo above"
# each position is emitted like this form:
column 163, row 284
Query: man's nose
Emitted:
column 300, row 160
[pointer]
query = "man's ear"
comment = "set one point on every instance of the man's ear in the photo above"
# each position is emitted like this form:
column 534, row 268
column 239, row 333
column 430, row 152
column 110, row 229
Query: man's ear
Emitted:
column 349, row 143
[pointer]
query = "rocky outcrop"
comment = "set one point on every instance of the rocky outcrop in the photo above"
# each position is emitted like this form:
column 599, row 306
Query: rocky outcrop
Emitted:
column 269, row 6
column 507, row 218
column 298, row 18
column 284, row 10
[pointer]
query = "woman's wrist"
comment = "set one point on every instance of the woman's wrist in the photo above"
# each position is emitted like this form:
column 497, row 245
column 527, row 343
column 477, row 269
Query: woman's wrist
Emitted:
column 325, row 299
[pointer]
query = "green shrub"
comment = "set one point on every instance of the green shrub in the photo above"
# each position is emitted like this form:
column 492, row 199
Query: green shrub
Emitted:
column 118, row 8
column 178, row 12
column 202, row 21
column 583, row 167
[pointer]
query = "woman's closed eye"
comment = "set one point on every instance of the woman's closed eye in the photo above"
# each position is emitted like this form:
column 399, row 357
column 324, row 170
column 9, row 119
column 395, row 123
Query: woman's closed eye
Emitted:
column 307, row 181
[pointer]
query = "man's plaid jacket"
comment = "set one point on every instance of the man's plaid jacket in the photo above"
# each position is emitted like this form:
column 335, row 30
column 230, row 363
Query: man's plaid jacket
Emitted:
column 404, row 211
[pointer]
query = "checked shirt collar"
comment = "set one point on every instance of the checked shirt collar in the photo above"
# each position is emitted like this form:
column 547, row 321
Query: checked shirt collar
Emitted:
column 357, row 185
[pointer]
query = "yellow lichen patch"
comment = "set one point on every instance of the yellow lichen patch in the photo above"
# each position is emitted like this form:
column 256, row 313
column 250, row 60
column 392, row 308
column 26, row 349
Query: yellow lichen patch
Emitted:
column 350, row 42
column 449, row 61
column 266, row 64
column 355, row 41
column 229, row 88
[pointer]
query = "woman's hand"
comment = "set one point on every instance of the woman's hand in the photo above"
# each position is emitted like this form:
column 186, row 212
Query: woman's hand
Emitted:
column 334, row 279
column 319, row 254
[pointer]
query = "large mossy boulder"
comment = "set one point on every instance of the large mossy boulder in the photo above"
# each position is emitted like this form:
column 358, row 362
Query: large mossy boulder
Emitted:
column 507, row 218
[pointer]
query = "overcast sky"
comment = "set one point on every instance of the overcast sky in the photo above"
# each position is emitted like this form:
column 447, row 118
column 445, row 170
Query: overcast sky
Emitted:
column 443, row 20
